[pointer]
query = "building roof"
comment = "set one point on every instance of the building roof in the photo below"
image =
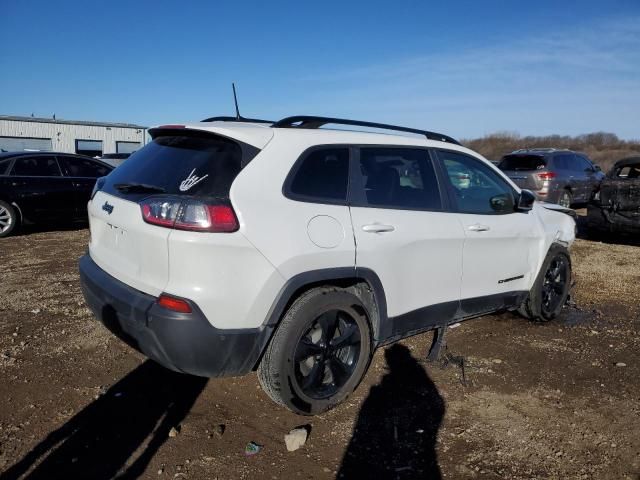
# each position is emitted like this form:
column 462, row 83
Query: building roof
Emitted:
column 69, row 122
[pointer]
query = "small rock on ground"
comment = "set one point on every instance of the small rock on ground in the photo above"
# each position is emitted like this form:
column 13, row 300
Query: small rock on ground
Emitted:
column 295, row 439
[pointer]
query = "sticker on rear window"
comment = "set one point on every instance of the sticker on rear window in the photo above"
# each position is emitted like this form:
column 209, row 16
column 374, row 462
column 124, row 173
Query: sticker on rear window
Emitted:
column 192, row 180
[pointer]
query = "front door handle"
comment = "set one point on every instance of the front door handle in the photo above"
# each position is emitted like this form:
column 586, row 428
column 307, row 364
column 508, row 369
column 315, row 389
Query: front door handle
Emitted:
column 478, row 228
column 377, row 228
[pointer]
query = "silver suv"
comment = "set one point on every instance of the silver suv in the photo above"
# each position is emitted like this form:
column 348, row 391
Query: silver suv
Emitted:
column 556, row 176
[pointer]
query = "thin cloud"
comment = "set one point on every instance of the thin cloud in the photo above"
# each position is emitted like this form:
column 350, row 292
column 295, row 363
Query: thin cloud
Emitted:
column 594, row 68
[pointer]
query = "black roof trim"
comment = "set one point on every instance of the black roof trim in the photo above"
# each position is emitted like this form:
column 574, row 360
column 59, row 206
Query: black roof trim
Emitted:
column 303, row 121
column 236, row 119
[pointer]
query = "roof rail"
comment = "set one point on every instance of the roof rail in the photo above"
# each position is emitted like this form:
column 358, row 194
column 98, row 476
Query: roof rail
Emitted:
column 303, row 121
column 236, row 119
column 550, row 149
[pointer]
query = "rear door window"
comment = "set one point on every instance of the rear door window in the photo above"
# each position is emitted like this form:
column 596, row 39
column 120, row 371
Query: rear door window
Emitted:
column 401, row 178
column 522, row 162
column 564, row 161
column 83, row 167
column 321, row 175
column 179, row 165
column 38, row 166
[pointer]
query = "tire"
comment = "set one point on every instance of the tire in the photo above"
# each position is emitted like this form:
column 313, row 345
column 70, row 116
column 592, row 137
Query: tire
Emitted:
column 319, row 352
column 8, row 219
column 566, row 199
column 551, row 288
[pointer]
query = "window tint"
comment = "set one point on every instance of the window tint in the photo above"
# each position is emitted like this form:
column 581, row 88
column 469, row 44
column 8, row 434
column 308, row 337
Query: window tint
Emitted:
column 582, row 163
column 564, row 161
column 83, row 167
column 400, row 178
column 522, row 162
column 477, row 188
column 322, row 175
column 181, row 165
column 40, row 166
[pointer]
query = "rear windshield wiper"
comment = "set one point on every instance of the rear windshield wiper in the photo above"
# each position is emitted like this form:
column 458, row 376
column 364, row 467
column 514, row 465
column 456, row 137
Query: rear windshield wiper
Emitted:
column 138, row 188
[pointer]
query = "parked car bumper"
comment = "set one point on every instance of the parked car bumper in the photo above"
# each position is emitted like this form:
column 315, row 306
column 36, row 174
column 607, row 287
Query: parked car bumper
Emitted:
column 182, row 342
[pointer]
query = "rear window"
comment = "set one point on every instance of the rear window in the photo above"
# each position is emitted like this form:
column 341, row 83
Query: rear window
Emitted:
column 181, row 165
column 522, row 162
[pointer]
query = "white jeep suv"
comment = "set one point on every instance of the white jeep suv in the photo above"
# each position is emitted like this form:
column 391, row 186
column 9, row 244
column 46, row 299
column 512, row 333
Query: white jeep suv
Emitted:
column 231, row 245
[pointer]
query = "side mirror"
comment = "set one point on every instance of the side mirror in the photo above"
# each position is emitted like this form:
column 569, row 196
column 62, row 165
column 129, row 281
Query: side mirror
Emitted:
column 501, row 203
column 526, row 200
column 597, row 168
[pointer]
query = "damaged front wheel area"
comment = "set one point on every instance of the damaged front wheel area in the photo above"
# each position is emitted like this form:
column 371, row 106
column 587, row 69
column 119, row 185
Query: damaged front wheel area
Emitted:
column 551, row 288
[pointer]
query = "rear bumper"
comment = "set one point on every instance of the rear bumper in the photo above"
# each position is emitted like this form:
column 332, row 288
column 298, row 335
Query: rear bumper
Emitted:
column 185, row 343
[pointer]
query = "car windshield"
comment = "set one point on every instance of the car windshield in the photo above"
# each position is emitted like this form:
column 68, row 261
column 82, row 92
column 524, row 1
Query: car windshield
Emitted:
column 522, row 162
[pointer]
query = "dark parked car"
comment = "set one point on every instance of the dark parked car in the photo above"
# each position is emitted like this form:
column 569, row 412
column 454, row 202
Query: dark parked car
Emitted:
column 616, row 206
column 38, row 186
column 556, row 176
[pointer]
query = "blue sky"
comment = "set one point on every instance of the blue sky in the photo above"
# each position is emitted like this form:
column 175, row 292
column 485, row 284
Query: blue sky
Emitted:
column 465, row 68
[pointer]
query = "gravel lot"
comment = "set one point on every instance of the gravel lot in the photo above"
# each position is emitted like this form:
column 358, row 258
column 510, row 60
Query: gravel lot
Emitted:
column 559, row 400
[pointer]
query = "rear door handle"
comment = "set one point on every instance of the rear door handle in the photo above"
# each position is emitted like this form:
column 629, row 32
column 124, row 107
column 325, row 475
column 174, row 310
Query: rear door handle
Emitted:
column 478, row 228
column 377, row 228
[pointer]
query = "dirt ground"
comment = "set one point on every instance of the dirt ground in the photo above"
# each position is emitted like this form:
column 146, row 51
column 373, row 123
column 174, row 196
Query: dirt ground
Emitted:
column 557, row 400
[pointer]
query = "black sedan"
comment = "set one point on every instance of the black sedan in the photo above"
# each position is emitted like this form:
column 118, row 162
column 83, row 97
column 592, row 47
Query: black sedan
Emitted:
column 45, row 186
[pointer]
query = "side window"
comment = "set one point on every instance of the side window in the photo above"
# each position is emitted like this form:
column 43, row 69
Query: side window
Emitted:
column 476, row 187
column 83, row 167
column 401, row 178
column 4, row 165
column 321, row 175
column 630, row 172
column 40, row 166
column 583, row 164
column 563, row 161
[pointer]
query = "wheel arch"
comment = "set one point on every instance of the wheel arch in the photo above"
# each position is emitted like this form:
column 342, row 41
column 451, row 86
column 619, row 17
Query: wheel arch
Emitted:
column 6, row 198
column 362, row 282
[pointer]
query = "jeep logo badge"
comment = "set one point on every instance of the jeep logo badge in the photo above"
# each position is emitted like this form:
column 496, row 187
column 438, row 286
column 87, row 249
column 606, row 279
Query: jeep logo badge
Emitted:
column 107, row 208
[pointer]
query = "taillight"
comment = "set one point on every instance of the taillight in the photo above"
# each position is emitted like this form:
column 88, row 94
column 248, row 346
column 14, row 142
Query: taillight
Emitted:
column 189, row 214
column 175, row 304
column 546, row 175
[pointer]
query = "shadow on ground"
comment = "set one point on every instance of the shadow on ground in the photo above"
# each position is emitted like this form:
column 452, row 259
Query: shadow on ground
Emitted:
column 49, row 226
column 133, row 417
column 395, row 434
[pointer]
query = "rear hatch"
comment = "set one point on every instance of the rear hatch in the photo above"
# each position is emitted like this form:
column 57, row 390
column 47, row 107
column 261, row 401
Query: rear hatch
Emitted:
column 526, row 170
column 179, row 180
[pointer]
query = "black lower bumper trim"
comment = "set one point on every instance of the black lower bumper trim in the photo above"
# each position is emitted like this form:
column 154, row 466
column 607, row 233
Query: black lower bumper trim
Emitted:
column 182, row 342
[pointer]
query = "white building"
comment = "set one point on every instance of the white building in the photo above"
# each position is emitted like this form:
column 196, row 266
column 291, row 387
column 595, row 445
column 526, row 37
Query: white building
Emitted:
column 87, row 138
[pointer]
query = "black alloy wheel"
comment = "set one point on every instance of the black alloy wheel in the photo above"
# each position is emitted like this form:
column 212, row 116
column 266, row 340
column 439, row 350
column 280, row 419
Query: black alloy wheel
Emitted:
column 327, row 354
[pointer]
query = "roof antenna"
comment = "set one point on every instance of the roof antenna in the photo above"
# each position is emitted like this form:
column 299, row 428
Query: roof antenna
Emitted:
column 235, row 99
